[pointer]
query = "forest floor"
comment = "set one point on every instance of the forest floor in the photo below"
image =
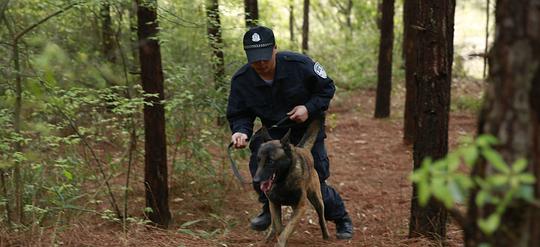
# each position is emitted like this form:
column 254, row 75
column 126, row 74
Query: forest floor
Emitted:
column 370, row 166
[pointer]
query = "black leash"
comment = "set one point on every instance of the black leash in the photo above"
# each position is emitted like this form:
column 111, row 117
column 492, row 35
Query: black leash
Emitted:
column 234, row 166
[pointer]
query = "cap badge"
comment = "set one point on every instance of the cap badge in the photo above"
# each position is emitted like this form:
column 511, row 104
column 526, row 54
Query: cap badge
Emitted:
column 319, row 70
column 255, row 37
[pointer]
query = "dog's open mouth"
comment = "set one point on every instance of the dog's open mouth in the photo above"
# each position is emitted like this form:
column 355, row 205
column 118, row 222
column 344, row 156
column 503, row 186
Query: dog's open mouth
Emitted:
column 267, row 184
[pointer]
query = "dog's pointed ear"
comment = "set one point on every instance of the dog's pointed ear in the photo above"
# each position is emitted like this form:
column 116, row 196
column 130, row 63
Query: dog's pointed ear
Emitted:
column 285, row 140
column 285, row 143
column 265, row 135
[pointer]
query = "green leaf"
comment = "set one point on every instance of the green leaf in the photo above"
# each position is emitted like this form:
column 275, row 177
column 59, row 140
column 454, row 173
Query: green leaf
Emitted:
column 489, row 225
column 498, row 180
column 440, row 166
column 186, row 231
column 456, row 192
column 482, row 183
column 526, row 193
column 423, row 193
column 6, row 165
column 527, row 178
column 519, row 165
column 496, row 160
column 470, row 155
column 465, row 182
column 49, row 77
column 34, row 87
column 68, row 175
column 441, row 192
column 486, row 140
column 189, row 223
column 426, row 163
column 482, row 198
column 417, row 176
column 453, row 162
column 19, row 157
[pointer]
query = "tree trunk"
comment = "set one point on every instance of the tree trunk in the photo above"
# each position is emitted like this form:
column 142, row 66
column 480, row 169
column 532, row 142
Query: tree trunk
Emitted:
column 6, row 196
column 384, row 68
column 305, row 28
column 291, row 21
column 348, row 15
column 16, row 126
column 486, row 40
column 511, row 113
column 251, row 13
column 134, row 42
column 433, row 77
column 107, row 32
column 216, row 42
column 409, row 50
column 19, row 212
column 155, row 169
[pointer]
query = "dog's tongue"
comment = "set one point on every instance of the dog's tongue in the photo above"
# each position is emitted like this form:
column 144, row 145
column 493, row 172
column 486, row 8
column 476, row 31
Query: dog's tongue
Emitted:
column 265, row 185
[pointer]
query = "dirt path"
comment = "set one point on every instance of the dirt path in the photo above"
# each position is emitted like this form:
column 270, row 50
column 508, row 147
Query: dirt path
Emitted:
column 370, row 167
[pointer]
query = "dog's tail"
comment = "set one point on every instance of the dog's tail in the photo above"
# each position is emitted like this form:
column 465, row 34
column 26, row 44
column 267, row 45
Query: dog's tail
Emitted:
column 309, row 138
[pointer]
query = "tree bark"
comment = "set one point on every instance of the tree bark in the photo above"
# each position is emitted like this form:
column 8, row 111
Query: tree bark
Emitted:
column 251, row 13
column 486, row 40
column 155, row 169
column 384, row 68
column 17, row 129
column 409, row 50
column 107, row 33
column 6, row 196
column 134, row 42
column 216, row 42
column 433, row 77
column 291, row 21
column 511, row 112
column 305, row 28
column 348, row 15
column 19, row 212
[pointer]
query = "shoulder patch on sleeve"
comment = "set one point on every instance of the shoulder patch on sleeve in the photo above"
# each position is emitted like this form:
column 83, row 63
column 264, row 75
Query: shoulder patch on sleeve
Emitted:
column 319, row 70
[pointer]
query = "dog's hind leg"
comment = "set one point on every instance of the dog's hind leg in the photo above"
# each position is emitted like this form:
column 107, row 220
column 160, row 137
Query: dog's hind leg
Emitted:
column 315, row 197
column 298, row 211
column 276, row 226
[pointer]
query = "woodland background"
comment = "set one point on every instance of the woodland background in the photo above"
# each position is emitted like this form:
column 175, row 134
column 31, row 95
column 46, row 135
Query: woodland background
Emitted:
column 72, row 137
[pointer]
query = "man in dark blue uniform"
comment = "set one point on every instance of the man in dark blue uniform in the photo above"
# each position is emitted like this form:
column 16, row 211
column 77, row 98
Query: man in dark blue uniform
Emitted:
column 273, row 85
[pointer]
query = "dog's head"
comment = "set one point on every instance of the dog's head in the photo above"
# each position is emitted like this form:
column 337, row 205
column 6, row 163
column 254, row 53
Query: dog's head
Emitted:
column 273, row 160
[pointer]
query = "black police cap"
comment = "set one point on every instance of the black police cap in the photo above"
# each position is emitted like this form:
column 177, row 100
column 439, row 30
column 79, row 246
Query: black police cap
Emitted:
column 259, row 43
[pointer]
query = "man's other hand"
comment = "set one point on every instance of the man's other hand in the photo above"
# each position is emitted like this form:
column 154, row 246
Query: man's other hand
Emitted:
column 239, row 140
column 298, row 114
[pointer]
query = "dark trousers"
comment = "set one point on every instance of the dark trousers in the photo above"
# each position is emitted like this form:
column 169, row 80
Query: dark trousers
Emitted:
column 333, row 204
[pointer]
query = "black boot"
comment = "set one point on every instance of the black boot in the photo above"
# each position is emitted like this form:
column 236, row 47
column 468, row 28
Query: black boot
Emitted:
column 263, row 220
column 344, row 227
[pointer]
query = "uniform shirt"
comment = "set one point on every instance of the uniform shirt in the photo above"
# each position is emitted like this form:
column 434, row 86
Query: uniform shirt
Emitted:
column 298, row 80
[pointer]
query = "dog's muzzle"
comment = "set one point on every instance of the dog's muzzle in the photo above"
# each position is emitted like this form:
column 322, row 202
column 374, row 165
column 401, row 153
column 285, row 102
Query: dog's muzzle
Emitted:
column 267, row 184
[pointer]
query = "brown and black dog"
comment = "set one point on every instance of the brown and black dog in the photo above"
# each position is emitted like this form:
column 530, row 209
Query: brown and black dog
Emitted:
column 287, row 176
